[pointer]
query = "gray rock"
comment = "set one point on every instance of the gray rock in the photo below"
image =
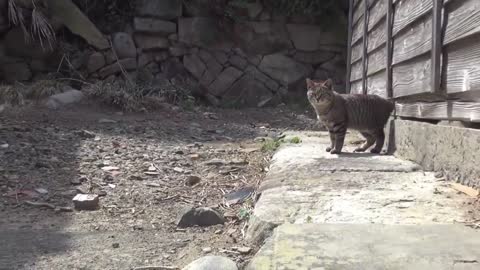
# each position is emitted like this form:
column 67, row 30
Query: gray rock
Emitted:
column 143, row 60
column 238, row 62
column 211, row 263
column 308, row 37
column 163, row 9
column 124, row 45
column 147, row 42
column 284, row 69
column 194, row 65
column 258, row 75
column 246, row 92
column 86, row 202
column 69, row 97
column 223, row 82
column 315, row 58
column 128, row 64
column 262, row 37
column 222, row 58
column 202, row 216
column 154, row 26
column 178, row 51
column 213, row 67
column 95, row 62
column 202, row 32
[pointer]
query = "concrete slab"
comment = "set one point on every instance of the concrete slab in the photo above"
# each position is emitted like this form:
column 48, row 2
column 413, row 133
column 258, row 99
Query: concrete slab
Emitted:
column 369, row 246
column 307, row 185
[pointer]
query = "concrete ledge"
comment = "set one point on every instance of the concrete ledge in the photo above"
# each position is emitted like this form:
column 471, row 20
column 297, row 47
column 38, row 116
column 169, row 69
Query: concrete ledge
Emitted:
column 453, row 150
column 370, row 246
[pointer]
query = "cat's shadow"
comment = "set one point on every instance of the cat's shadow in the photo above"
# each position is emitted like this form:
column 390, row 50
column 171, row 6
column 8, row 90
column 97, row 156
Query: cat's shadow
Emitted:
column 359, row 154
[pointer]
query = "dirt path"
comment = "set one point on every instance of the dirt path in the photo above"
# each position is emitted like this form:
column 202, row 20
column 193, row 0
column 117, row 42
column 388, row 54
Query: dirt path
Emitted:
column 138, row 164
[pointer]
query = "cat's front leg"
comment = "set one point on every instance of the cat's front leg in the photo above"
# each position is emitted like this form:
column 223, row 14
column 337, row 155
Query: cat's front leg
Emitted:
column 332, row 141
column 340, row 131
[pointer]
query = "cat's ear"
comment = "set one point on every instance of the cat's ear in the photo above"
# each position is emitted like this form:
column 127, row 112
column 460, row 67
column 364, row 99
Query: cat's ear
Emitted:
column 328, row 84
column 310, row 83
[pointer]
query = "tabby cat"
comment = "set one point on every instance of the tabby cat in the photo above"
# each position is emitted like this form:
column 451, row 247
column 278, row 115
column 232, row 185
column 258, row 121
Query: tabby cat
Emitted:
column 366, row 113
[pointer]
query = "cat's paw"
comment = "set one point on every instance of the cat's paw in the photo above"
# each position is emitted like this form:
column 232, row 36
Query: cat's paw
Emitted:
column 359, row 150
column 328, row 149
column 375, row 151
column 335, row 151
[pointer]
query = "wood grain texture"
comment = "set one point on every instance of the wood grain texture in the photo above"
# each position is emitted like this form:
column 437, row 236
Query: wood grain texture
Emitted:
column 412, row 77
column 356, row 71
column 377, row 12
column 356, row 87
column 377, row 36
column 413, row 42
column 408, row 11
column 376, row 84
column 357, row 32
column 447, row 110
column 462, row 66
column 358, row 12
column 462, row 20
column 357, row 51
column 376, row 60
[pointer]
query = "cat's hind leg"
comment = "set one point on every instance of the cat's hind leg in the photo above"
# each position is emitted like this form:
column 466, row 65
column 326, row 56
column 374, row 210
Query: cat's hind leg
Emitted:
column 380, row 140
column 370, row 141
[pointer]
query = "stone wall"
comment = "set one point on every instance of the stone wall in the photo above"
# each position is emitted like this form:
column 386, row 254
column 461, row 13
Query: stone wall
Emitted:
column 255, row 61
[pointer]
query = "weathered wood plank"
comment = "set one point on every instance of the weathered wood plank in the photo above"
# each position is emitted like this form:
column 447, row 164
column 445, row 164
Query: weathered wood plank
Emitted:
column 376, row 60
column 356, row 71
column 408, row 11
column 413, row 77
column 358, row 12
column 365, row 52
column 377, row 36
column 357, row 51
column 357, row 33
column 414, row 42
column 349, row 46
column 389, row 47
column 356, row 87
column 462, row 20
column 436, row 45
column 377, row 12
column 462, row 66
column 448, row 110
column 376, row 84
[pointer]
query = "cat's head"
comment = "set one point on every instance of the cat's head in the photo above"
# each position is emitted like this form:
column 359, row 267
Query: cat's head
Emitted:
column 320, row 92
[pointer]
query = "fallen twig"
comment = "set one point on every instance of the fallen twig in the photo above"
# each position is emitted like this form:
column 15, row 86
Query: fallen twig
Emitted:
column 49, row 205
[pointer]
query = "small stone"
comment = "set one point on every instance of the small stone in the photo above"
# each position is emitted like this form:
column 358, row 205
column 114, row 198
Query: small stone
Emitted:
column 212, row 263
column 192, row 180
column 207, row 249
column 194, row 156
column 244, row 250
column 110, row 168
column 4, row 146
column 202, row 216
column 218, row 231
column 76, row 181
column 106, row 121
column 178, row 170
column 41, row 191
column 86, row 201
column 115, row 245
column 439, row 174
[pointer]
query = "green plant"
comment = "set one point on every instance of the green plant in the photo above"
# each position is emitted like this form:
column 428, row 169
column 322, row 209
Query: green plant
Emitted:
column 12, row 95
column 295, row 140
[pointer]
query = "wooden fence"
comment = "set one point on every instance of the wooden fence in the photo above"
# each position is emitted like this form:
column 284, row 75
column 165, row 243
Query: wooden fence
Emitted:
column 425, row 54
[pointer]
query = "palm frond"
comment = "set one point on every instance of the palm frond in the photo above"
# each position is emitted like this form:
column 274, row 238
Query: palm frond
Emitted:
column 42, row 30
column 15, row 16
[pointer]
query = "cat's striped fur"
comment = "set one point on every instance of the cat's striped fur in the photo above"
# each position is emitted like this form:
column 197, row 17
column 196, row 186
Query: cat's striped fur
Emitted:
column 366, row 113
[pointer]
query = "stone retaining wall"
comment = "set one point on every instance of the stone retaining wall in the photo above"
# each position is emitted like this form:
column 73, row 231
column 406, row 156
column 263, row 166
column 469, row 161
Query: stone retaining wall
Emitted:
column 255, row 61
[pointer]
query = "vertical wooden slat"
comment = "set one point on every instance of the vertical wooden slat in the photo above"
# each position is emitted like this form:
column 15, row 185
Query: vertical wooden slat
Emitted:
column 365, row 47
column 389, row 49
column 436, row 45
column 349, row 48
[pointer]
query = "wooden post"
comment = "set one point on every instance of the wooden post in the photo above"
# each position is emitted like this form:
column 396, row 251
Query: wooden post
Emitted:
column 365, row 49
column 436, row 46
column 389, row 51
column 349, row 47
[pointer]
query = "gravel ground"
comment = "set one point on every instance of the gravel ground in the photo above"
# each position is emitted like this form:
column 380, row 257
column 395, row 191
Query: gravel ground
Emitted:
column 144, row 168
